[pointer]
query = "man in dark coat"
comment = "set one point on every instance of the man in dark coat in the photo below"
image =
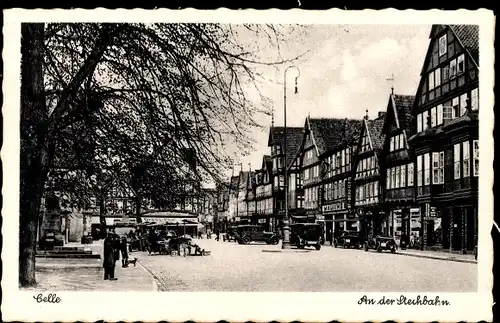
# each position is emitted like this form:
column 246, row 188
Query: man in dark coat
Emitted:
column 109, row 258
column 124, row 250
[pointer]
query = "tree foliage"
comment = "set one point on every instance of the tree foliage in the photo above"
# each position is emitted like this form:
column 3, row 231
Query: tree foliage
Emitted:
column 104, row 100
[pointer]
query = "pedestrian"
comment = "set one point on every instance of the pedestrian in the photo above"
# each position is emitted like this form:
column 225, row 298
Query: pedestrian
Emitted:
column 109, row 258
column 116, row 246
column 124, row 250
column 217, row 235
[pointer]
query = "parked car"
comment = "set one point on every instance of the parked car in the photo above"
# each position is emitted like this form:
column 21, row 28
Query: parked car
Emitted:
column 306, row 234
column 51, row 239
column 247, row 233
column 348, row 239
column 381, row 243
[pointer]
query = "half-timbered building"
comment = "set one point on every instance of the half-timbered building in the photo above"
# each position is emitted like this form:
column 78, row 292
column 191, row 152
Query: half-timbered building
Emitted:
column 398, row 169
column 446, row 138
column 366, row 177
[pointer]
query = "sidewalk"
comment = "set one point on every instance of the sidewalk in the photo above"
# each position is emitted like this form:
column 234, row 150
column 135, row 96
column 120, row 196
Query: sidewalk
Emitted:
column 54, row 274
column 440, row 255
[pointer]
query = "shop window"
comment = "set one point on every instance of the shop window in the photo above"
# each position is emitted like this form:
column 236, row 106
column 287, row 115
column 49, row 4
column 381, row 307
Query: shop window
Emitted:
column 456, row 161
column 474, row 100
column 466, row 158
column 443, row 45
column 388, row 179
column 476, row 157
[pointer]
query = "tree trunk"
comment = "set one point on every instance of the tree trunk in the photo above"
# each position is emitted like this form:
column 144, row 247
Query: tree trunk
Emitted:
column 36, row 153
column 102, row 218
column 138, row 204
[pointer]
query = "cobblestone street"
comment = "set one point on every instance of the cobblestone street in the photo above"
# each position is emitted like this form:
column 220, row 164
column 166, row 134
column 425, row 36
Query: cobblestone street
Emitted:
column 233, row 267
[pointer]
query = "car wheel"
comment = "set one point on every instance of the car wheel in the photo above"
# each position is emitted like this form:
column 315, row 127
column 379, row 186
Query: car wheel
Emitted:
column 246, row 240
column 366, row 246
column 379, row 249
column 335, row 244
column 318, row 246
column 274, row 241
column 393, row 250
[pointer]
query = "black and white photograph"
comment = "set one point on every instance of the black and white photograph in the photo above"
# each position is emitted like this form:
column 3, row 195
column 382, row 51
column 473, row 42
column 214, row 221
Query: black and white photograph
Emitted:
column 301, row 166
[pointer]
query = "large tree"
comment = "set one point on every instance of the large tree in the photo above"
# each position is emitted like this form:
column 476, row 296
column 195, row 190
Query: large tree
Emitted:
column 134, row 89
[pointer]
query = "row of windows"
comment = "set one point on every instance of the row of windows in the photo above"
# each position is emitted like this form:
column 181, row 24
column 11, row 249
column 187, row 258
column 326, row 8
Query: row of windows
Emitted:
column 461, row 162
column 397, row 142
column 262, row 178
column 339, row 162
column 279, row 182
column 263, row 190
column 276, row 150
column 367, row 193
column 447, row 111
column 335, row 190
column 311, row 197
column 440, row 75
column 367, row 167
column 399, row 176
column 311, row 172
column 264, row 206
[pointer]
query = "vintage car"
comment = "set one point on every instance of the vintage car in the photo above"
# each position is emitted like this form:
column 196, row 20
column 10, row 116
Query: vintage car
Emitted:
column 248, row 233
column 306, row 234
column 381, row 243
column 348, row 239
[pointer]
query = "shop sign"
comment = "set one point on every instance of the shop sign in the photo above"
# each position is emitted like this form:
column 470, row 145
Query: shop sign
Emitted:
column 320, row 218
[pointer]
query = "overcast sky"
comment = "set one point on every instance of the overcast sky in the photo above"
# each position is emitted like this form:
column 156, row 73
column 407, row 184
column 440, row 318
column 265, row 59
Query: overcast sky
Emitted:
column 343, row 75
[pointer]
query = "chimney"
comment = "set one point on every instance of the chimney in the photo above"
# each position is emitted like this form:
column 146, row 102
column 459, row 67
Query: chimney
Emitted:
column 381, row 114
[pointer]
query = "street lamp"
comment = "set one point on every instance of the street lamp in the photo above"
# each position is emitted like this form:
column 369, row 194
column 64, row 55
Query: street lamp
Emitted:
column 286, row 223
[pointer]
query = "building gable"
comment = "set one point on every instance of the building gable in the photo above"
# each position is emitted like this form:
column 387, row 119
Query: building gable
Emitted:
column 448, row 63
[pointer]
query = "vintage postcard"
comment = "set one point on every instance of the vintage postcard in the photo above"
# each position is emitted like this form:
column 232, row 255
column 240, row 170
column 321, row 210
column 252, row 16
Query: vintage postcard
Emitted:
column 247, row 165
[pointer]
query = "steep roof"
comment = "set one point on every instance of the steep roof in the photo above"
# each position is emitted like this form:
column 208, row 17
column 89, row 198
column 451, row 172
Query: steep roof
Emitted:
column 294, row 137
column 403, row 105
column 468, row 35
column 374, row 128
column 331, row 133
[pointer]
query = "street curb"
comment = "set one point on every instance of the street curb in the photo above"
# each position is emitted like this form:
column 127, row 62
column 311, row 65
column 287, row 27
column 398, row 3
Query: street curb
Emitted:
column 437, row 258
column 286, row 251
column 158, row 286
